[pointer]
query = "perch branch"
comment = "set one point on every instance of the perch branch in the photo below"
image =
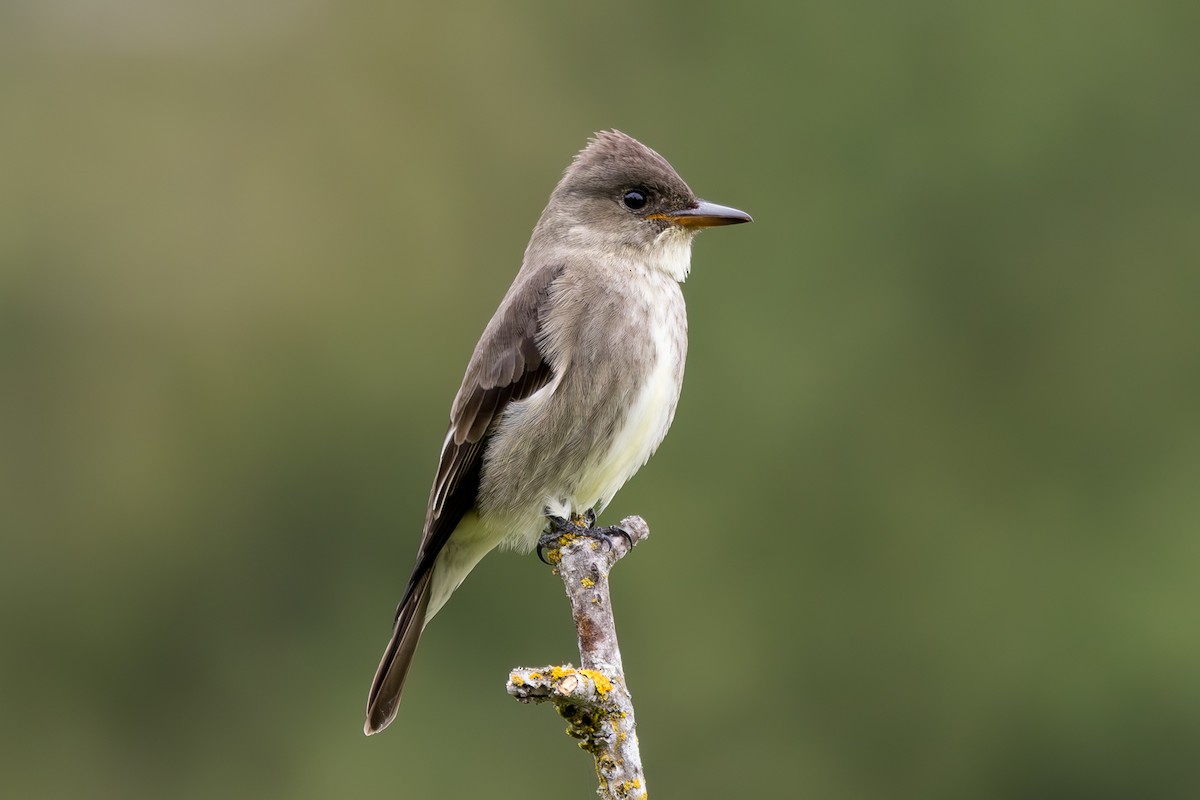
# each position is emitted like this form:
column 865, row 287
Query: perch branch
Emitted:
column 594, row 699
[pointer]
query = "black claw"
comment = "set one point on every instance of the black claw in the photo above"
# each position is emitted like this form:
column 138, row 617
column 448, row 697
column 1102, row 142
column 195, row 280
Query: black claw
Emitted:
column 550, row 538
column 624, row 534
column 607, row 535
column 547, row 539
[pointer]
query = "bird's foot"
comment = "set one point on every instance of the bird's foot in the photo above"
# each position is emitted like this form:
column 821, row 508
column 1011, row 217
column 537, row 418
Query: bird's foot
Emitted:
column 561, row 530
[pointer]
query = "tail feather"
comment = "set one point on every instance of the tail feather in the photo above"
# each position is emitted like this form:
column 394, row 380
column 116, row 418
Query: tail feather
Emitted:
column 388, row 685
column 430, row 586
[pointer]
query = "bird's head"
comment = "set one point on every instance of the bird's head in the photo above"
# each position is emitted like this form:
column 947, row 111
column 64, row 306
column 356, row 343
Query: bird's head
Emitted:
column 620, row 195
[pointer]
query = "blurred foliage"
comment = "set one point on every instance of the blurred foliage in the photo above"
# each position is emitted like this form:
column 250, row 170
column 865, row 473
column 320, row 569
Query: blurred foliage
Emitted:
column 926, row 526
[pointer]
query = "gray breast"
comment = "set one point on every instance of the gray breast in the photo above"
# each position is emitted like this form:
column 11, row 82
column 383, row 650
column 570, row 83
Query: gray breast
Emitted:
column 607, row 339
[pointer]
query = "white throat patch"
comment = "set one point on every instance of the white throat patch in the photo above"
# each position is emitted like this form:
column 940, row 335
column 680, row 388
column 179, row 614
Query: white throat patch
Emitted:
column 672, row 253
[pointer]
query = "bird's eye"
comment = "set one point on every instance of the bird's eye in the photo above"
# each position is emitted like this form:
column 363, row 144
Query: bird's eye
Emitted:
column 634, row 199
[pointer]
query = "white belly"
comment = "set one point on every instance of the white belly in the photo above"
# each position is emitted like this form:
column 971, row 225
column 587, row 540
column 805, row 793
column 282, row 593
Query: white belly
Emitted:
column 649, row 417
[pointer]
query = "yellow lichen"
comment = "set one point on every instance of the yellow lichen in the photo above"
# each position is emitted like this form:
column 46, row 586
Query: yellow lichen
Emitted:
column 557, row 673
column 517, row 680
column 535, row 676
column 603, row 684
column 554, row 554
column 587, row 583
column 627, row 788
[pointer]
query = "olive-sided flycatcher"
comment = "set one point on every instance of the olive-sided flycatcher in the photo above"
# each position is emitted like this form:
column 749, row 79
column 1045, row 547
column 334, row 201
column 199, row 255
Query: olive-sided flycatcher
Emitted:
column 573, row 384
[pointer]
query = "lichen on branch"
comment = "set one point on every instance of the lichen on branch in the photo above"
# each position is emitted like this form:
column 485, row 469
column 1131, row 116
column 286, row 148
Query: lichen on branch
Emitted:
column 594, row 698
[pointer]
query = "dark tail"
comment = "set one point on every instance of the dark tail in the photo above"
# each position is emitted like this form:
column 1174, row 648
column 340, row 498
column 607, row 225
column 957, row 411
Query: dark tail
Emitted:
column 397, row 658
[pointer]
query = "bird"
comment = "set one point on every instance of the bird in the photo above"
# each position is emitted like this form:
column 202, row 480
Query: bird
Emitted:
column 572, row 385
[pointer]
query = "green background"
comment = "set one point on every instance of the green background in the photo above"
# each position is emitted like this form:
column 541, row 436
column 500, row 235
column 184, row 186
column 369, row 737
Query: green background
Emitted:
column 926, row 525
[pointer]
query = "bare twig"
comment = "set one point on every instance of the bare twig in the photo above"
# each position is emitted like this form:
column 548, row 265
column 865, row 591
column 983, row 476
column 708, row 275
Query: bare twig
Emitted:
column 594, row 699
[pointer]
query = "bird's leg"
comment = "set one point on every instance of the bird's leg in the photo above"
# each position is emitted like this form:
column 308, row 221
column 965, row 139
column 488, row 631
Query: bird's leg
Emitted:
column 578, row 525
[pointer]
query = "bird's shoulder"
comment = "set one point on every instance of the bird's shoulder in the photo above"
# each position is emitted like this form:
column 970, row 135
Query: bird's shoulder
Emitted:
column 510, row 350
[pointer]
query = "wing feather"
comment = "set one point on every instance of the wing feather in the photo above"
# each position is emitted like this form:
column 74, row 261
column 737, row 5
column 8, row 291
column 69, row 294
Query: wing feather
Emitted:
column 508, row 365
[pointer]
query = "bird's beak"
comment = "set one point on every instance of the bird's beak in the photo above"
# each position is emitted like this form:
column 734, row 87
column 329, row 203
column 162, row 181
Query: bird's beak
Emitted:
column 704, row 215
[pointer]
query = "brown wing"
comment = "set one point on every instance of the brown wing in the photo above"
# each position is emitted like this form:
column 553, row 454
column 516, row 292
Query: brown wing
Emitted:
column 507, row 366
